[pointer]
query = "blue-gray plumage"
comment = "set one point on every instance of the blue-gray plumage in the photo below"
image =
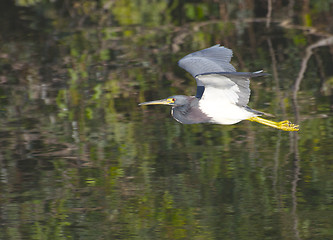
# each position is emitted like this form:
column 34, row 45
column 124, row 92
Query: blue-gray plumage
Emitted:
column 222, row 93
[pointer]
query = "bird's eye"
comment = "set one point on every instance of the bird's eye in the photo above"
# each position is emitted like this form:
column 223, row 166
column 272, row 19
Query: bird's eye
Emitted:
column 173, row 100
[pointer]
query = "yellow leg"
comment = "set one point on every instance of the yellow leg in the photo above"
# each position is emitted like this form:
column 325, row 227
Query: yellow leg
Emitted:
column 284, row 125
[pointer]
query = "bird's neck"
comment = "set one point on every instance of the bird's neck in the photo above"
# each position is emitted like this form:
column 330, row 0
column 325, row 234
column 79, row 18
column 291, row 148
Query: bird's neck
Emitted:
column 189, row 113
column 180, row 114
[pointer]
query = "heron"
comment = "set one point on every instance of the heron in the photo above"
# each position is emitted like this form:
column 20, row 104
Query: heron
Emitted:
column 222, row 93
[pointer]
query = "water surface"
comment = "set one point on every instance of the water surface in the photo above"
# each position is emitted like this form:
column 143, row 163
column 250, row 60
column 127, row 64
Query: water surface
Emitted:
column 79, row 158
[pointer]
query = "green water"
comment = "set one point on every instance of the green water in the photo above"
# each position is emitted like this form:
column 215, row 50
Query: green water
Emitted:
column 79, row 159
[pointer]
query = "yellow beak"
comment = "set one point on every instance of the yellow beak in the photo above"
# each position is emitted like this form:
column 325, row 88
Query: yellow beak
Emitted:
column 167, row 101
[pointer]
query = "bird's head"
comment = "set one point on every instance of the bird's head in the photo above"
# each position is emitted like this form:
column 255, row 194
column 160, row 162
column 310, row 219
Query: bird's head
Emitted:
column 177, row 100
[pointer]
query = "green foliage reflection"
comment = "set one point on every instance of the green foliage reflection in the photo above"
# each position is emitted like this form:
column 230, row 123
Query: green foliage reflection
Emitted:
column 80, row 159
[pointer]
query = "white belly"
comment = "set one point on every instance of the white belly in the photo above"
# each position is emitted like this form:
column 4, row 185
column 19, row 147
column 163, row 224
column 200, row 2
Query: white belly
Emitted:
column 224, row 112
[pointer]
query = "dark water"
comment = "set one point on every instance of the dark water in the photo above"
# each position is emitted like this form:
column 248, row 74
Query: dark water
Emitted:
column 80, row 160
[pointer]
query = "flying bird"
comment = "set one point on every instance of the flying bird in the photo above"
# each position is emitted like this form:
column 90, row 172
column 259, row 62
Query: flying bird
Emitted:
column 222, row 93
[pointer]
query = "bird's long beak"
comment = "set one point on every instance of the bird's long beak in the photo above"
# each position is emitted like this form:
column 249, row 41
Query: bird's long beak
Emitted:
column 166, row 101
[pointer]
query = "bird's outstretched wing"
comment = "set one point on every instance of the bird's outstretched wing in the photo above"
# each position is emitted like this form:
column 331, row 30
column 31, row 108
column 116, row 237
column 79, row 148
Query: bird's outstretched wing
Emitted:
column 209, row 60
column 213, row 59
column 231, row 87
column 216, row 77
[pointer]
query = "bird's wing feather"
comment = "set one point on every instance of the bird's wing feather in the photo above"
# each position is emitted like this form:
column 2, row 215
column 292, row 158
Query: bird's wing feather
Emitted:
column 232, row 87
column 213, row 59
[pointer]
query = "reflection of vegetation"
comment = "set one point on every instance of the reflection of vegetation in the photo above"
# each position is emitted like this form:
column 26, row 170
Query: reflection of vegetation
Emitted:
column 79, row 159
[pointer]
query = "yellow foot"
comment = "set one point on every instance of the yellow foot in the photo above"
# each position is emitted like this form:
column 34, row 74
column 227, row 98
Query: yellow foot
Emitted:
column 287, row 126
column 284, row 125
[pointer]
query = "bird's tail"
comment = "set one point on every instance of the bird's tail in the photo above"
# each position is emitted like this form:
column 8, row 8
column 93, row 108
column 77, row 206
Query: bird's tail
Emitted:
column 258, row 113
column 258, row 74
